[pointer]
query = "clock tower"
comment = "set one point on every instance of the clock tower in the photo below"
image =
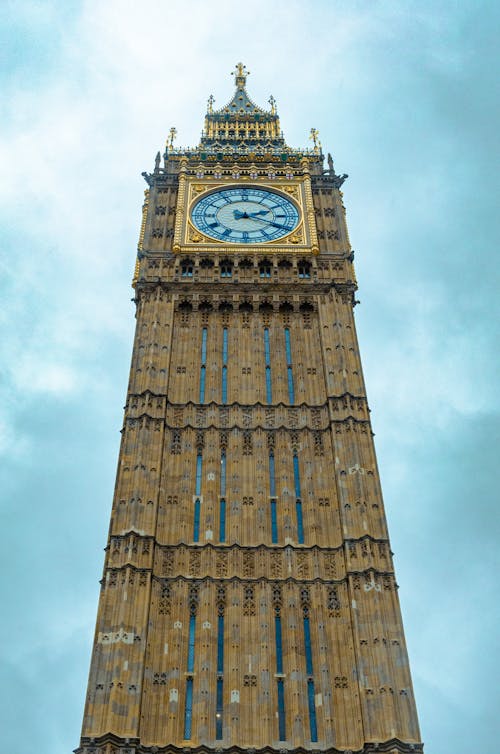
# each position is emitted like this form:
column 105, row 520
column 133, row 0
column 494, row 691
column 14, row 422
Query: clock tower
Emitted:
column 248, row 598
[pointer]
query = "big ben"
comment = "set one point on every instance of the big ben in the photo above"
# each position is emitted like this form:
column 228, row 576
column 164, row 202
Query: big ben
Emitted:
column 248, row 598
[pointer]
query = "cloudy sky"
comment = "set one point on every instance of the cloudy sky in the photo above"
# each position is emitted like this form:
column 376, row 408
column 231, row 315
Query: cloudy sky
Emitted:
column 403, row 94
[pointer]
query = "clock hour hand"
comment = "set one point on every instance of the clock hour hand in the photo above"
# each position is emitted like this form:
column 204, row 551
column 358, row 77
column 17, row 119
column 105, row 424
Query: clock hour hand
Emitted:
column 260, row 212
column 239, row 215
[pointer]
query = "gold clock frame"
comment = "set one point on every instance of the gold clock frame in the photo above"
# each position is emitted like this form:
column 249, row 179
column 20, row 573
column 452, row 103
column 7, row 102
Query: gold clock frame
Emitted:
column 188, row 239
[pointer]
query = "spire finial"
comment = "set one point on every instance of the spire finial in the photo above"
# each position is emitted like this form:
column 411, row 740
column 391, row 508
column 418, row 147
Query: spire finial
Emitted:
column 240, row 74
column 314, row 136
column 210, row 103
column 171, row 137
column 272, row 102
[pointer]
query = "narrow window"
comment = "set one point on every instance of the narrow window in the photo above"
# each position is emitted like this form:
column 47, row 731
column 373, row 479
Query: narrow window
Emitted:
column 224, row 365
column 279, row 669
column 274, row 523
column 187, row 269
column 199, row 468
column 267, row 356
column 272, row 490
column 196, row 522
column 191, row 643
column 224, row 345
column 307, row 646
column 300, row 523
column 304, row 270
column 202, row 383
column 313, row 728
column 222, row 520
column 265, row 269
column 281, row 710
column 223, row 475
column 220, row 644
column 203, row 368
column 272, row 476
column 288, row 347
column 219, row 701
column 204, row 346
column 188, row 712
column 279, row 644
column 219, row 709
column 298, row 500
column 226, row 268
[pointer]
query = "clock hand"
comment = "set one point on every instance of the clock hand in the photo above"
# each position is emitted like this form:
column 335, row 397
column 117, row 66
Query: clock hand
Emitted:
column 239, row 215
column 260, row 212
column 269, row 222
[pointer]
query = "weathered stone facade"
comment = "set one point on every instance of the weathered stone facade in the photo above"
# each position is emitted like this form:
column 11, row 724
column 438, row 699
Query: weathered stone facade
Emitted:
column 248, row 599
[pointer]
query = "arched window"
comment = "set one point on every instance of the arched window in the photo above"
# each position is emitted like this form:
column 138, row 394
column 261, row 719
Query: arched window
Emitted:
column 304, row 269
column 265, row 268
column 226, row 268
column 206, row 263
column 187, row 267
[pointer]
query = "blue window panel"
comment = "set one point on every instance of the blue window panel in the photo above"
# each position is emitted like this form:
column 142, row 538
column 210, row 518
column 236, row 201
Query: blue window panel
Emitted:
column 300, row 523
column 202, row 383
column 204, row 346
column 222, row 521
column 196, row 522
column 313, row 728
column 267, row 355
column 274, row 523
column 288, row 347
column 224, row 345
column 281, row 711
column 269, row 390
column 224, row 384
column 272, row 477
column 296, row 475
column 199, row 467
column 223, row 474
column 291, row 391
column 307, row 645
column 279, row 644
column 220, row 644
column 188, row 711
column 192, row 630
column 218, row 709
column 267, row 347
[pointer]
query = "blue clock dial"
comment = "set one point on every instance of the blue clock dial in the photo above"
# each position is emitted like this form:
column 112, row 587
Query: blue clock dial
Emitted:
column 245, row 215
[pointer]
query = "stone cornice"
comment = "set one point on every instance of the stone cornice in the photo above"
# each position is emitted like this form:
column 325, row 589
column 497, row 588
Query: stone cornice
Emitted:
column 184, row 288
column 111, row 744
column 374, row 573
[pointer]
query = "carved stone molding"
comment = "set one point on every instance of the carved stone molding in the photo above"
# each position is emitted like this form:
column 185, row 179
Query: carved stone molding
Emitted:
column 111, row 744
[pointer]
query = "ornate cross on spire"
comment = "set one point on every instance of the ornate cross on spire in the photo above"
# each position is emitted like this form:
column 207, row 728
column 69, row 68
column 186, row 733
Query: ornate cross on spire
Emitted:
column 240, row 74
column 172, row 135
column 210, row 103
column 314, row 136
column 272, row 102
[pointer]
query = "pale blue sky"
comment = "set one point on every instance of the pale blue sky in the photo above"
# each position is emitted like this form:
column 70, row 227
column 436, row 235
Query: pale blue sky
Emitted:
column 405, row 96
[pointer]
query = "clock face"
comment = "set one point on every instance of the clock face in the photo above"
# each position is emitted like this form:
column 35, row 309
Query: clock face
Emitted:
column 245, row 215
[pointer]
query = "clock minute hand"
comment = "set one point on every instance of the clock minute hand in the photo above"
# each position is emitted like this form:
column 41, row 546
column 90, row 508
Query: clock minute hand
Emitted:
column 269, row 222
